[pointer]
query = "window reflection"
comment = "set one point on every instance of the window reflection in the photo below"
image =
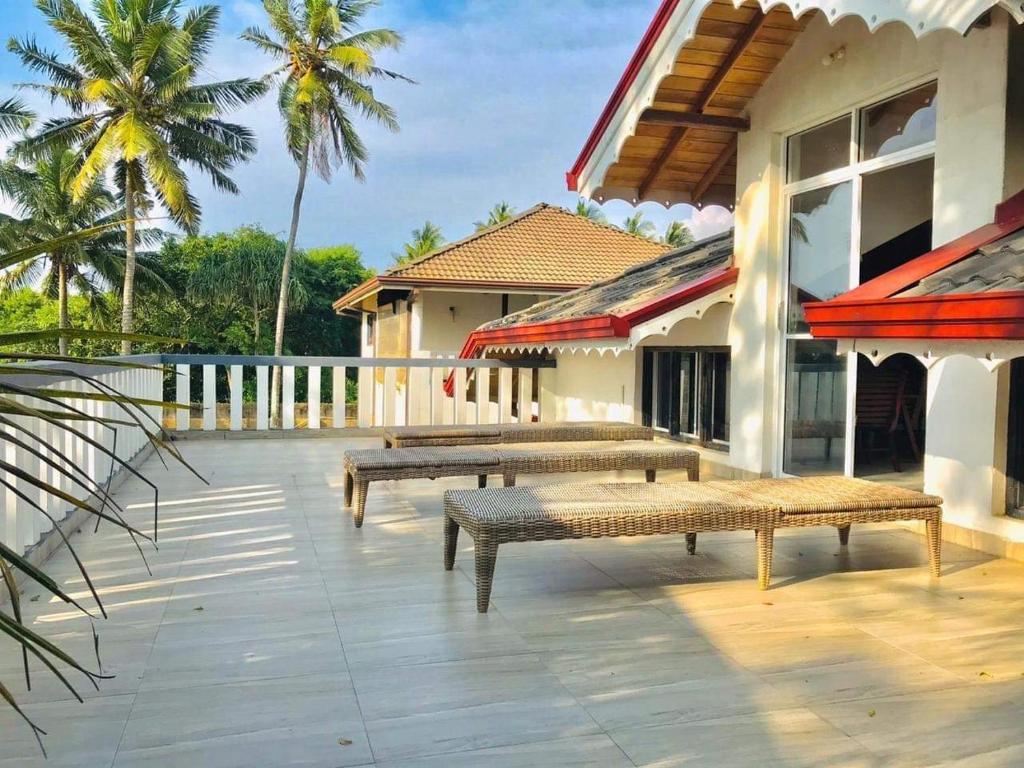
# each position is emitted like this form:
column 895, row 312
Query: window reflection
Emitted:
column 900, row 123
column 819, row 249
column 815, row 408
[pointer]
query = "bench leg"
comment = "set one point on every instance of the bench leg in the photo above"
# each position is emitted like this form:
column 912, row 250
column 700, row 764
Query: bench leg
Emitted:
column 691, row 543
column 693, row 473
column 481, row 481
column 451, row 542
column 651, row 475
column 486, row 553
column 844, row 535
column 348, row 490
column 765, row 540
column 509, row 479
column 360, row 490
column 934, row 535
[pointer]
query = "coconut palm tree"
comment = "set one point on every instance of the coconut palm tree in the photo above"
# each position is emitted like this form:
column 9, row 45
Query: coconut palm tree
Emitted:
column 639, row 226
column 499, row 214
column 589, row 210
column 325, row 75
column 136, row 107
column 426, row 239
column 677, row 234
column 14, row 117
column 47, row 211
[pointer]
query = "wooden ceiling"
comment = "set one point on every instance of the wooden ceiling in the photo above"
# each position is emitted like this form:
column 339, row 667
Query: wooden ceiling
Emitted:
column 684, row 146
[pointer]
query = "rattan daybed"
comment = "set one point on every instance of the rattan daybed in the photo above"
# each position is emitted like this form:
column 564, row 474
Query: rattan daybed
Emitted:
column 363, row 467
column 530, row 432
column 572, row 511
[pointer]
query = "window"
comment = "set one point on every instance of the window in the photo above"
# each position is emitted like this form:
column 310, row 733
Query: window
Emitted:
column 1015, row 442
column 686, row 393
column 859, row 200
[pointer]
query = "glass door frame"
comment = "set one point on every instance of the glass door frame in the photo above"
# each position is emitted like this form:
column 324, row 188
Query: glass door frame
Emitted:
column 854, row 173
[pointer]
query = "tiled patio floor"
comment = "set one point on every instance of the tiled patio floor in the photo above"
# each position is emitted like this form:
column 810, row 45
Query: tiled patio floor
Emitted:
column 273, row 633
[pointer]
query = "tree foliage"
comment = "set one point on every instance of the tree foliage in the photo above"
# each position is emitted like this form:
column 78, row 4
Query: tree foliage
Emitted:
column 499, row 214
column 677, row 234
column 424, row 240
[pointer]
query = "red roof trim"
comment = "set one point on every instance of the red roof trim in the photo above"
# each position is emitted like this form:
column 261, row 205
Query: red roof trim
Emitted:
column 993, row 315
column 597, row 327
column 636, row 63
column 872, row 310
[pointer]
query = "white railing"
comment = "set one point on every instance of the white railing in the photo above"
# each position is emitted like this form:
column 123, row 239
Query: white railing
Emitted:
column 83, row 444
column 365, row 392
column 383, row 392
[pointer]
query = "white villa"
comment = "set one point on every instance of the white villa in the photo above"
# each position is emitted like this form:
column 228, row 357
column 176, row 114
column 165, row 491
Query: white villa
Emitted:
column 871, row 152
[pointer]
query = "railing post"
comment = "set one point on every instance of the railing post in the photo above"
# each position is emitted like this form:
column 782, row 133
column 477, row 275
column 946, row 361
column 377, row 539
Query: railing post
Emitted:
column 483, row 395
column 364, row 404
column 262, row 399
column 525, row 395
column 313, row 397
column 236, row 386
column 504, row 395
column 209, row 397
column 460, row 396
column 436, row 396
column 338, row 396
column 182, row 396
column 288, row 397
column 390, row 395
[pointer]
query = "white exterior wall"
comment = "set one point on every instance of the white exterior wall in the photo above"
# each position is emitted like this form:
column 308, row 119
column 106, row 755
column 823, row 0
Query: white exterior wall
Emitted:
column 963, row 441
column 440, row 334
column 591, row 387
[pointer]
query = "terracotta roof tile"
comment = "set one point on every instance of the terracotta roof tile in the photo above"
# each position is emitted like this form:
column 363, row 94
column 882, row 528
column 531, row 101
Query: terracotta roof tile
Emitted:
column 545, row 245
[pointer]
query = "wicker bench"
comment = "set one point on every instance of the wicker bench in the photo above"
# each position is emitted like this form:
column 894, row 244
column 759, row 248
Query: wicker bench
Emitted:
column 529, row 432
column 366, row 466
column 504, row 515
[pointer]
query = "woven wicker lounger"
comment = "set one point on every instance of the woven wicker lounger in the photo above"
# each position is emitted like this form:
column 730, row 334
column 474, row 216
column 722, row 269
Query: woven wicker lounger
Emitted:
column 503, row 515
column 530, row 432
column 366, row 466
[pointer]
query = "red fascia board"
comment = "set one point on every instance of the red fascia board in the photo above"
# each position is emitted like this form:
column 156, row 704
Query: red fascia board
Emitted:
column 699, row 288
column 993, row 315
column 636, row 63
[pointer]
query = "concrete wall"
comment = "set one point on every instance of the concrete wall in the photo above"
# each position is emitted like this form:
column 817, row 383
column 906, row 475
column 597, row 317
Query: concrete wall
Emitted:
column 443, row 333
column 586, row 387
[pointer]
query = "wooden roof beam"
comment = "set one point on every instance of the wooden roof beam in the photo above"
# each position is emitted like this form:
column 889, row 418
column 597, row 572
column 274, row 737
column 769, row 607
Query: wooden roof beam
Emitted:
column 694, row 120
column 712, row 88
column 714, row 171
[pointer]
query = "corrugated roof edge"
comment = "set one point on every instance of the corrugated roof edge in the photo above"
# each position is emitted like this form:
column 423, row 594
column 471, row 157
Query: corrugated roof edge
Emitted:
column 694, row 247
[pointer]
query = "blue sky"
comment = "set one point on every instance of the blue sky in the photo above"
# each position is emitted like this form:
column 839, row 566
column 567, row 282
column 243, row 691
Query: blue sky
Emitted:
column 506, row 94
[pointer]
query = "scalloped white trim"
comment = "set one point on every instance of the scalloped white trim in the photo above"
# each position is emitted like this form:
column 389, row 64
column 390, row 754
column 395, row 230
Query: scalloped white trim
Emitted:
column 992, row 354
column 922, row 17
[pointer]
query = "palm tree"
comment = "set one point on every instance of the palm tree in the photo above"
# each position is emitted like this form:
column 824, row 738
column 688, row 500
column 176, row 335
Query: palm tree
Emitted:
column 14, row 117
column 49, row 210
column 639, row 226
column 136, row 107
column 243, row 267
column 590, row 211
column 677, row 234
column 325, row 75
column 426, row 239
column 499, row 214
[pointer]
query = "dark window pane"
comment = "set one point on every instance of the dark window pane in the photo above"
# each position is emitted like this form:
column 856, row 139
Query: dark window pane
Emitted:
column 719, row 368
column 819, row 248
column 663, row 398
column 900, row 123
column 688, row 393
column 1015, row 442
column 819, row 150
column 815, row 408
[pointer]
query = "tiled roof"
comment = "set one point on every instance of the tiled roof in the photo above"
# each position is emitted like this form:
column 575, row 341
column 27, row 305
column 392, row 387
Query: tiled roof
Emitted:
column 634, row 288
column 545, row 245
column 998, row 266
